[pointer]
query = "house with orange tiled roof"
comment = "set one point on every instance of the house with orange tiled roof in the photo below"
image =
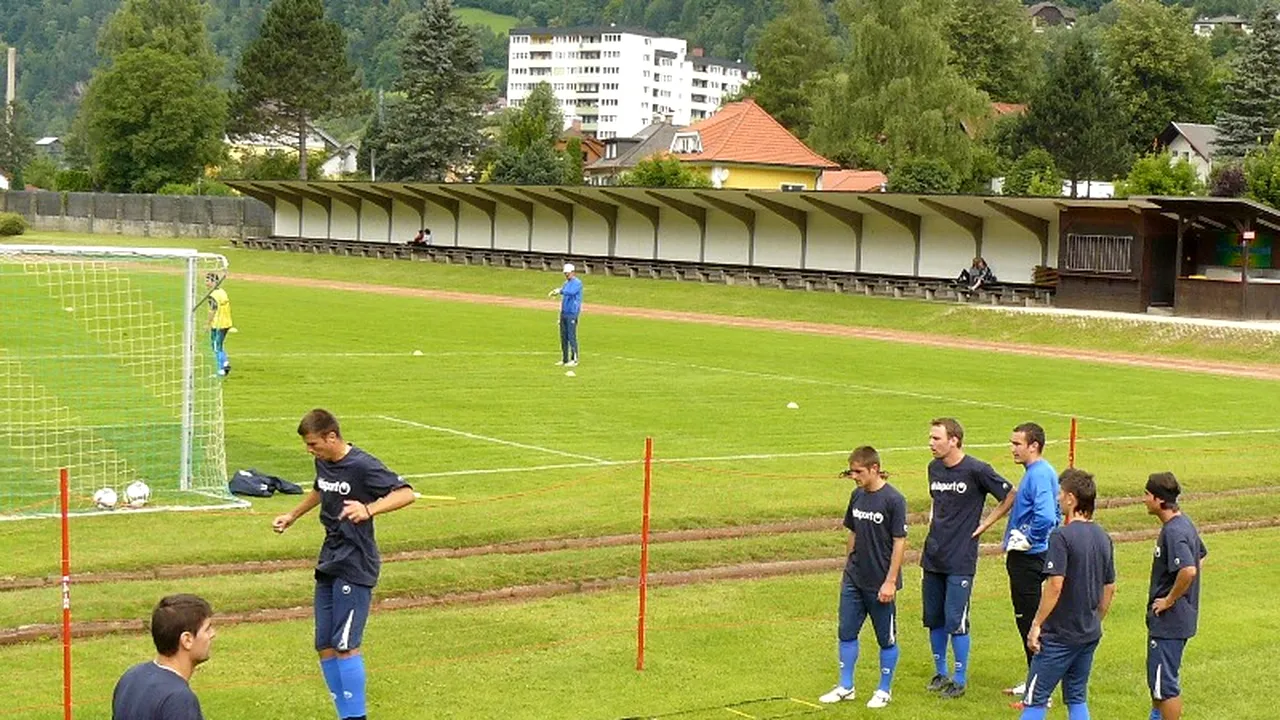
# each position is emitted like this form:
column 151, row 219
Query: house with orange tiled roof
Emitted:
column 743, row 147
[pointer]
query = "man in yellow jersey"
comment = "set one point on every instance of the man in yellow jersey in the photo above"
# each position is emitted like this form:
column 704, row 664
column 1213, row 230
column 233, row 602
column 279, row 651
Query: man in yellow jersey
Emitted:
column 219, row 322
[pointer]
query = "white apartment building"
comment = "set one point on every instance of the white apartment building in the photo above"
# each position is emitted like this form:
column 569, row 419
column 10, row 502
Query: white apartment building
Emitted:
column 616, row 81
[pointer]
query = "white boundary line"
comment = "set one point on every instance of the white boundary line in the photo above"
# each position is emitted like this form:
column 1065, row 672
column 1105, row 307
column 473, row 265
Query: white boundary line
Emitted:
column 486, row 438
column 888, row 391
column 824, row 453
column 387, row 354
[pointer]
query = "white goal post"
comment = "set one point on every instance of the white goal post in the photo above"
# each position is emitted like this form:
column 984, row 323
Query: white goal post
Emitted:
column 106, row 369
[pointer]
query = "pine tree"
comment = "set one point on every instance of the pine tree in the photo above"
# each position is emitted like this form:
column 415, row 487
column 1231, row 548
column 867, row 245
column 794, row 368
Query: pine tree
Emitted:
column 1076, row 116
column 294, row 72
column 435, row 128
column 1252, row 112
column 795, row 50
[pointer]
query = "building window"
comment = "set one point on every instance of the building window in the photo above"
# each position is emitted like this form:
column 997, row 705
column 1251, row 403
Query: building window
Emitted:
column 1100, row 253
column 686, row 143
column 793, row 187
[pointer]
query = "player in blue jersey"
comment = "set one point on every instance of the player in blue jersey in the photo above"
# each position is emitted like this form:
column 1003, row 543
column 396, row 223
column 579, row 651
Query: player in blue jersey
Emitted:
column 159, row 689
column 570, row 307
column 1080, row 582
column 1032, row 517
column 1173, row 601
column 351, row 487
column 959, row 485
column 877, row 521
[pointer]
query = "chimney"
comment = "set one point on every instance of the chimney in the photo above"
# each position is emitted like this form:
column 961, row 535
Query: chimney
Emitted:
column 11, row 86
column 697, row 52
column 576, row 125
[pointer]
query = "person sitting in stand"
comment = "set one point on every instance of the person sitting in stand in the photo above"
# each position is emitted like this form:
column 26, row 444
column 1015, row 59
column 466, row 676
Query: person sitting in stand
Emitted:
column 420, row 239
column 977, row 275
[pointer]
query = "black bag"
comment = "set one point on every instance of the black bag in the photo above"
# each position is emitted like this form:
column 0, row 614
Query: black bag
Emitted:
column 256, row 484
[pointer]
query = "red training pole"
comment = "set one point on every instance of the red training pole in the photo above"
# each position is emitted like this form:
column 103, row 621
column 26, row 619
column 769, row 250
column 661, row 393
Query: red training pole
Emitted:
column 63, row 492
column 644, row 552
column 1071, row 449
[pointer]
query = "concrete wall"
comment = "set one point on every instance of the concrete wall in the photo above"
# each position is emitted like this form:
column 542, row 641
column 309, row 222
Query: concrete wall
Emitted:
column 145, row 215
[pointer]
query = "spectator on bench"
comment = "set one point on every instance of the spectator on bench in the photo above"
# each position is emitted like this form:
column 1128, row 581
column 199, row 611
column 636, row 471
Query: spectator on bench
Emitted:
column 420, row 238
column 977, row 275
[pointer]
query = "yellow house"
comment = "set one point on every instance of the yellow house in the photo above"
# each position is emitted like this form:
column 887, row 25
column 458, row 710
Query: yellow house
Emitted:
column 743, row 147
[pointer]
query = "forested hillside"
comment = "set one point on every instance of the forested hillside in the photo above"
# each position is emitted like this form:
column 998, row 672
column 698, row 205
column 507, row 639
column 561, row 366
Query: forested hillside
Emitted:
column 57, row 38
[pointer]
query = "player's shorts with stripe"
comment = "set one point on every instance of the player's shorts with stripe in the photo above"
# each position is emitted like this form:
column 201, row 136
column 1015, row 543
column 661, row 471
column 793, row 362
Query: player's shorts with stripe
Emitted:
column 946, row 602
column 856, row 604
column 342, row 609
column 1164, row 660
column 1066, row 664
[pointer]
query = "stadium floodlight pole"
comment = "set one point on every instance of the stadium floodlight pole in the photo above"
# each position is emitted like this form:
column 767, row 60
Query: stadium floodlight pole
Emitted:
column 644, row 552
column 64, row 483
column 188, row 374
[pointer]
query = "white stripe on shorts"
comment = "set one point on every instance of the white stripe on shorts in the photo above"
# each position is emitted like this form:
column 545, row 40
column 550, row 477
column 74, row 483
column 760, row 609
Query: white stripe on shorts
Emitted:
column 346, row 631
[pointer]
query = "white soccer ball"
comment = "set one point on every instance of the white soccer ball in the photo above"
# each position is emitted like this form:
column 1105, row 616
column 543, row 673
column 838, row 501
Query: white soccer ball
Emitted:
column 137, row 494
column 105, row 498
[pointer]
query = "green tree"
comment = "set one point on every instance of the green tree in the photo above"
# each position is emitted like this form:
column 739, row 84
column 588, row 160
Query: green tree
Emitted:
column 994, row 47
column 294, row 72
column 1033, row 174
column 1076, row 117
column 923, row 175
column 444, row 88
column 1161, row 70
column 153, row 114
column 573, row 162
column 1252, row 110
column 16, row 147
column 1159, row 174
column 1262, row 173
column 795, row 50
column 666, row 171
column 898, row 97
column 527, row 154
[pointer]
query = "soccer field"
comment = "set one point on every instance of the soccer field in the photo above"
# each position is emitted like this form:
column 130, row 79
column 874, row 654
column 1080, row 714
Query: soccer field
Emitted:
column 533, row 479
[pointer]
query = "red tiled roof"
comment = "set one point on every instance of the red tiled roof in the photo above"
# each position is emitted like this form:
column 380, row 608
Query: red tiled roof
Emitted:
column 742, row 132
column 854, row 180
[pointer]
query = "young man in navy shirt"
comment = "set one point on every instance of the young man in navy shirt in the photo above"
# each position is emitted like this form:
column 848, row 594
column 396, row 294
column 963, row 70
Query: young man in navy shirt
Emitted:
column 1173, row 601
column 570, row 307
column 182, row 630
column 877, row 520
column 351, row 487
column 959, row 485
column 1080, row 582
column 1033, row 516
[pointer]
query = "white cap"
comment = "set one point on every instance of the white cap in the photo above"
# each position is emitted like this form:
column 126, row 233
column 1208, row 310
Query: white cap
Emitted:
column 568, row 267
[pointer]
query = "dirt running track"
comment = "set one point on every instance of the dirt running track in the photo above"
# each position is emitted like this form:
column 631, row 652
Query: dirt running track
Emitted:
column 1260, row 372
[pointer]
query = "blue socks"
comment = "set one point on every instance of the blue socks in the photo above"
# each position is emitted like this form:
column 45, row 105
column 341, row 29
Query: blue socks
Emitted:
column 1034, row 712
column 1078, row 712
column 848, row 658
column 351, row 703
column 1155, row 714
column 888, row 663
column 938, row 641
column 329, row 666
column 960, row 645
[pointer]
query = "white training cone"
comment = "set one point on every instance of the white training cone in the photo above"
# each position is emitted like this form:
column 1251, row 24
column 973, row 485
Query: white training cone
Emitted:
column 417, row 353
column 570, row 373
column 792, row 406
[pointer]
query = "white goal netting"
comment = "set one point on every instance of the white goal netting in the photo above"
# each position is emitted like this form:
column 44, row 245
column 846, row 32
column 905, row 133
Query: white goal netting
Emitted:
column 106, row 370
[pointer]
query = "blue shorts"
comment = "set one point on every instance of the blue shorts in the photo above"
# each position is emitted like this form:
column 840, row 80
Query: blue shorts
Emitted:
column 342, row 609
column 946, row 602
column 1164, row 660
column 1066, row 664
column 856, row 604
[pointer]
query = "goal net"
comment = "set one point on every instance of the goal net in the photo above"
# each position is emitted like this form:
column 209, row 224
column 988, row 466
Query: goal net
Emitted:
column 106, row 369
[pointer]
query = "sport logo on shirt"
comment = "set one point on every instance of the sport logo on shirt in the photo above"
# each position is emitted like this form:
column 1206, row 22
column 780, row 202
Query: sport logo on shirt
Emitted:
column 1157, row 550
column 955, row 487
column 875, row 517
column 342, row 488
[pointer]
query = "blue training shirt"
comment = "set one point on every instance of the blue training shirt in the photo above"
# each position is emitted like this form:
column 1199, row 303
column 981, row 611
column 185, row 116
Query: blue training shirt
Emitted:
column 958, row 495
column 875, row 519
column 1081, row 553
column 350, row 550
column 571, row 297
column 149, row 692
column 1035, row 506
column 1179, row 546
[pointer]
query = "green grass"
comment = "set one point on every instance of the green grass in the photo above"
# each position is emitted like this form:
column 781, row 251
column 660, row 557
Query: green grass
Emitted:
column 483, row 417
column 500, row 24
column 708, row 645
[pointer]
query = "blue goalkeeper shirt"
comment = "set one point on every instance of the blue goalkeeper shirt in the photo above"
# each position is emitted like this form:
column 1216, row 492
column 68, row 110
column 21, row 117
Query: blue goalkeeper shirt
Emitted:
column 1035, row 507
column 571, row 297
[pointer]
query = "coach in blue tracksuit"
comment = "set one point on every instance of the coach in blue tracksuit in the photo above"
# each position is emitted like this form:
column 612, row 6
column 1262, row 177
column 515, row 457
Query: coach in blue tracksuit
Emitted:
column 570, row 306
column 1080, row 581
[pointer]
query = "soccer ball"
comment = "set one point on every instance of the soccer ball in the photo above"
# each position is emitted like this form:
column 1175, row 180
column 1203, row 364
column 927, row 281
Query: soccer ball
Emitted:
column 137, row 494
column 105, row 498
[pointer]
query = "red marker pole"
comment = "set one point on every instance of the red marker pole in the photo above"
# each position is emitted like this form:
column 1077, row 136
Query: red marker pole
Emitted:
column 644, row 552
column 1071, row 449
column 64, row 493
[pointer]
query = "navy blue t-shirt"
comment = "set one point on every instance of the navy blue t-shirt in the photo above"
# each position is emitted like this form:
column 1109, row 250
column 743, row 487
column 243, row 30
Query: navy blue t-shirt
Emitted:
column 875, row 518
column 959, row 494
column 149, row 692
column 1178, row 546
column 350, row 550
column 1081, row 553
